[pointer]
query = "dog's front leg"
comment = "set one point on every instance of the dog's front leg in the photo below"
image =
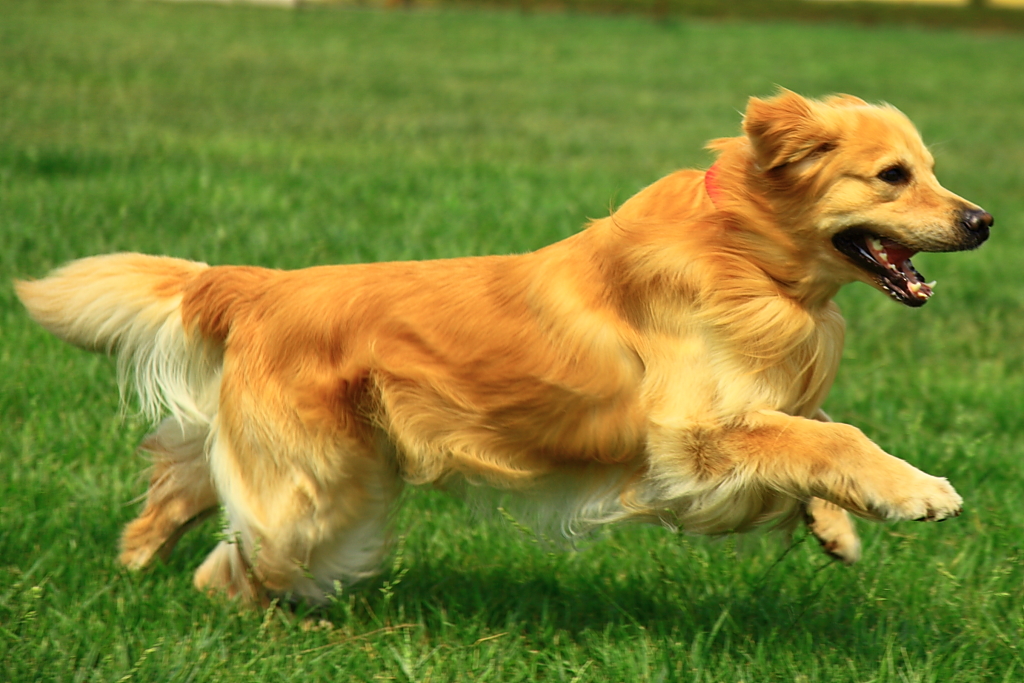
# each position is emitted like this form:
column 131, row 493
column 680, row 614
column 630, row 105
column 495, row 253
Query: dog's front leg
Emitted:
column 831, row 525
column 812, row 459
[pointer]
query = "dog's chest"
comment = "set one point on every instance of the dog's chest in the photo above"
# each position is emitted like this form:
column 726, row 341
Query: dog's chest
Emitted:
column 702, row 375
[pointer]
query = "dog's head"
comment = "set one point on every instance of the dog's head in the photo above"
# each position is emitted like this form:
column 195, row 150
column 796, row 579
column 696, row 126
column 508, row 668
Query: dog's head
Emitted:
column 855, row 187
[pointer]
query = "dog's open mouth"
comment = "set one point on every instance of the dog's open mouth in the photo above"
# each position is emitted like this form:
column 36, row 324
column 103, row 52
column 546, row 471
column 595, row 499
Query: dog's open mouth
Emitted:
column 889, row 262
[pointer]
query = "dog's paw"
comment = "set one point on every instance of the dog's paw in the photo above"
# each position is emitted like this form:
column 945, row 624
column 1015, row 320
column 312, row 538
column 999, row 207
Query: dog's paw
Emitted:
column 140, row 543
column 154, row 534
column 933, row 499
column 833, row 529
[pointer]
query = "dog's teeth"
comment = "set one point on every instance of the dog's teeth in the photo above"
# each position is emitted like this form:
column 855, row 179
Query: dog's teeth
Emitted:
column 876, row 246
column 880, row 253
column 931, row 284
column 914, row 287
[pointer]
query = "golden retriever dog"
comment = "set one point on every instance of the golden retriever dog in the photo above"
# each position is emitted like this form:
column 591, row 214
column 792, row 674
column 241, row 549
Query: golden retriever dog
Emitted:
column 666, row 364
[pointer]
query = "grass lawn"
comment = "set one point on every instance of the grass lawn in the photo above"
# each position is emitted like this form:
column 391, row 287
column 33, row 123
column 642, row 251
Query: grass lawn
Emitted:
column 238, row 135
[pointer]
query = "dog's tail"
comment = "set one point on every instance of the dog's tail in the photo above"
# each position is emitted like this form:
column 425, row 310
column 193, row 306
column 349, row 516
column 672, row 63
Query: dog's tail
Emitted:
column 131, row 305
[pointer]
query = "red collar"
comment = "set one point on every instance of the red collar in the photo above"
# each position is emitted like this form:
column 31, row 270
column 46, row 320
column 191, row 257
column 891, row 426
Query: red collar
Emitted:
column 712, row 187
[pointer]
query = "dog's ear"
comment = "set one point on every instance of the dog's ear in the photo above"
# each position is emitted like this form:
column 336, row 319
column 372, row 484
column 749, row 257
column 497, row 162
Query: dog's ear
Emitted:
column 785, row 129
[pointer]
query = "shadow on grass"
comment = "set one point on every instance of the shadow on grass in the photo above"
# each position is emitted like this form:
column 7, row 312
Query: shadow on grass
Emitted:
column 791, row 596
column 538, row 606
column 48, row 162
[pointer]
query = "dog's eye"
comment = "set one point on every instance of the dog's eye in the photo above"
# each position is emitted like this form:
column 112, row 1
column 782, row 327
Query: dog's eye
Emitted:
column 894, row 175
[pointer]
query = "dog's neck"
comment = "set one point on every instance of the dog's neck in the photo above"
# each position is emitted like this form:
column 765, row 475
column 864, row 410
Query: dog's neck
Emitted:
column 772, row 254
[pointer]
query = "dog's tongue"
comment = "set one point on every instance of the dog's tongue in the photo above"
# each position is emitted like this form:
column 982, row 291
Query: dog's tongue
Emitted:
column 897, row 253
column 888, row 253
column 896, row 258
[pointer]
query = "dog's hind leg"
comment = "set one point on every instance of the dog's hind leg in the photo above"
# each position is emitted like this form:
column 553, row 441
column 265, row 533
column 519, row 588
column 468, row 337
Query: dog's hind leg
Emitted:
column 832, row 527
column 300, row 519
column 181, row 493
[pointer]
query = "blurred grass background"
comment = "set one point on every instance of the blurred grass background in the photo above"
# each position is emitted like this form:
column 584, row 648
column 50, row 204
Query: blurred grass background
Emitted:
column 235, row 134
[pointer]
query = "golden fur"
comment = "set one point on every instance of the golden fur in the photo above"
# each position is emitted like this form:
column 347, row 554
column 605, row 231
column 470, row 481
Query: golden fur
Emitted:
column 666, row 364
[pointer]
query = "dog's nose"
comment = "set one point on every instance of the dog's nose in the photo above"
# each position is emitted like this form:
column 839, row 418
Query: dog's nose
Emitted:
column 977, row 220
column 976, row 223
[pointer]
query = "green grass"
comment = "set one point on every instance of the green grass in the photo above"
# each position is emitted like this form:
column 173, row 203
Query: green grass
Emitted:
column 239, row 135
